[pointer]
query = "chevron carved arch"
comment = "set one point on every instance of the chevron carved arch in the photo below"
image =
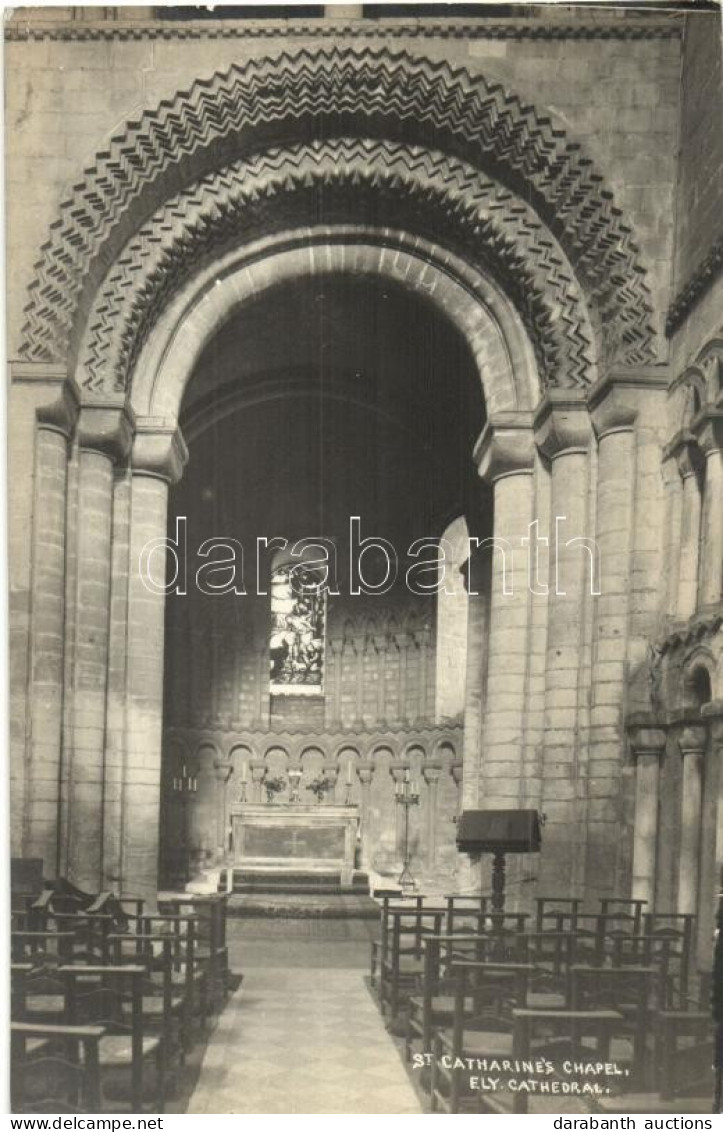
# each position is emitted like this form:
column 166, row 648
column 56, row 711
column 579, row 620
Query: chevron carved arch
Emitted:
column 440, row 197
column 333, row 93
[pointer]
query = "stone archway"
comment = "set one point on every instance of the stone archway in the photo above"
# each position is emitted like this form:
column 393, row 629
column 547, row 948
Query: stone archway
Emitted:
column 338, row 92
column 134, row 280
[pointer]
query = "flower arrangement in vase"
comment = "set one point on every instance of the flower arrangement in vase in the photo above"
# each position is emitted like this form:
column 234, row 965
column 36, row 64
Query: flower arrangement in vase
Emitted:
column 320, row 787
column 273, row 784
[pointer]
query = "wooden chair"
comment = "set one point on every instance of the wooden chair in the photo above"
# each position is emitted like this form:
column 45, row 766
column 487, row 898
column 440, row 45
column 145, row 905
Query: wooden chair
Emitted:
column 402, row 953
column 40, row 946
column 190, row 970
column 685, row 1040
column 48, row 1073
column 577, row 1029
column 628, row 991
column 481, row 1028
column 112, row 997
column 433, row 1005
column 379, row 945
column 37, row 992
column 556, row 913
column 464, row 912
column 165, row 1009
column 679, row 929
column 91, row 930
column 630, row 906
column 211, row 945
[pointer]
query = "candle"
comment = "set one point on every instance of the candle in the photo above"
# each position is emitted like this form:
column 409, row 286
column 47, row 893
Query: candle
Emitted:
column 348, row 774
column 406, row 774
column 243, row 771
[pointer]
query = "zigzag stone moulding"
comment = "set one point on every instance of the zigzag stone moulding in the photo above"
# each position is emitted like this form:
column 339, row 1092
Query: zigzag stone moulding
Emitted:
column 333, row 92
column 450, row 29
column 475, row 217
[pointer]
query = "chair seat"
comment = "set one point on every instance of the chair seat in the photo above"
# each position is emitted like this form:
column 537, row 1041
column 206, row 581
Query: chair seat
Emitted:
column 116, row 1049
column 442, row 1006
column 484, row 1043
column 45, row 1004
column 408, row 965
column 179, row 978
column 545, row 1000
column 36, row 1045
column 153, row 1006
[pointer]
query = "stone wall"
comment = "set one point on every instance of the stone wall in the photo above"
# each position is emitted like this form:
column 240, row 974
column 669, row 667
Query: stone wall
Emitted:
column 700, row 165
column 552, row 675
column 614, row 90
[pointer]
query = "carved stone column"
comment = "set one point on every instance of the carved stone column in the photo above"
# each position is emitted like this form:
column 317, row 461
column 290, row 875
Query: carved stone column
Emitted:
column 673, row 486
column 104, row 438
column 157, row 460
column 55, row 424
column 258, row 770
column 397, row 772
column 647, row 744
column 688, row 458
column 625, row 406
column 330, row 770
column 712, row 832
column 456, row 770
column 224, row 770
column 709, row 432
column 692, row 743
column 563, row 434
column 505, row 457
column 430, row 773
column 364, row 771
column 332, row 701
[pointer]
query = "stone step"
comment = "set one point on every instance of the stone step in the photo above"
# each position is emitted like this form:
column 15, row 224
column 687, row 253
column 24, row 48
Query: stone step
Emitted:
column 334, row 906
column 260, row 889
column 260, row 880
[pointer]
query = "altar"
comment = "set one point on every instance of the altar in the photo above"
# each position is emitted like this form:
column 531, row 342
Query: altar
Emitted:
column 295, row 837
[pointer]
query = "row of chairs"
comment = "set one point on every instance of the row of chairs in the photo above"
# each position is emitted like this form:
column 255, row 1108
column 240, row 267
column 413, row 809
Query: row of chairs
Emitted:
column 108, row 1000
column 466, row 985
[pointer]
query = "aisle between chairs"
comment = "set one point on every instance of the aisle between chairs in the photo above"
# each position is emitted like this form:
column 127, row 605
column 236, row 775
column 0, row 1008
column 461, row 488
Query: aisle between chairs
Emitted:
column 302, row 1040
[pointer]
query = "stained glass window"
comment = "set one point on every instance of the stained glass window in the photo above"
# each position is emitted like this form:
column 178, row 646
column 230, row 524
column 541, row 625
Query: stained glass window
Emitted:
column 298, row 613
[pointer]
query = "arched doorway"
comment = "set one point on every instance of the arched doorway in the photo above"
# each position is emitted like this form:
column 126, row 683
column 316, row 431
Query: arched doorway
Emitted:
column 149, row 265
column 326, row 398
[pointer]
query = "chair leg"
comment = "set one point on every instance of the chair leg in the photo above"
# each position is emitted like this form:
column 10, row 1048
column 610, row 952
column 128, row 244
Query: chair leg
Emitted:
column 161, row 1071
column 433, row 1078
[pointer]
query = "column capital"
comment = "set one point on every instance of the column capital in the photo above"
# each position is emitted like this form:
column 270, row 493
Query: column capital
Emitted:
column 707, row 428
column 671, row 471
column 397, row 771
column 107, row 428
column 713, row 714
column 331, row 771
column 365, row 772
column 455, row 769
column 505, row 447
column 159, row 450
column 223, row 768
column 646, row 735
column 683, row 448
column 692, row 738
column 562, row 424
column 431, row 772
column 61, row 415
column 258, row 769
column 616, row 398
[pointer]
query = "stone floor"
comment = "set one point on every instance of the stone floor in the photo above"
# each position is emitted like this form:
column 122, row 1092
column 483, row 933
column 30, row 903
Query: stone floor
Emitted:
column 302, row 1033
